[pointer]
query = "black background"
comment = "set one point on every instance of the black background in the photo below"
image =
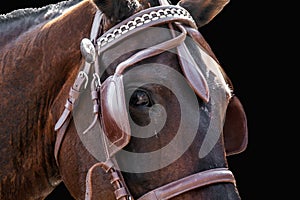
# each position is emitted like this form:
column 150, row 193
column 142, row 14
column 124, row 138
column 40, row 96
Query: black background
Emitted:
column 232, row 36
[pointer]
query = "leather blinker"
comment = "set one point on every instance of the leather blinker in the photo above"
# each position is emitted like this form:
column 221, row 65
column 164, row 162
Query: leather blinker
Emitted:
column 114, row 115
column 235, row 129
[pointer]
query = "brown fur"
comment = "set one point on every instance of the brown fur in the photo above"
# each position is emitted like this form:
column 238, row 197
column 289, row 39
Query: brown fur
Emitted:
column 29, row 87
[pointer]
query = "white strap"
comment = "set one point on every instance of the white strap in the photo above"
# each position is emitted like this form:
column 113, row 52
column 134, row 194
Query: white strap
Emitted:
column 96, row 26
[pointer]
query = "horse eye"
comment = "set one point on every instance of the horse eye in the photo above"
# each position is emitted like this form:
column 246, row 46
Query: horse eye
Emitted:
column 140, row 98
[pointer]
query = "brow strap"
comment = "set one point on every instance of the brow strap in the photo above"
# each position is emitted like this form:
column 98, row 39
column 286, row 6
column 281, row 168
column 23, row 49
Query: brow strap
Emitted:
column 152, row 51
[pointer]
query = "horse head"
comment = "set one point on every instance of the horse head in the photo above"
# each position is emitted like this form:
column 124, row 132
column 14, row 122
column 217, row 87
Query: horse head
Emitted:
column 131, row 103
column 162, row 105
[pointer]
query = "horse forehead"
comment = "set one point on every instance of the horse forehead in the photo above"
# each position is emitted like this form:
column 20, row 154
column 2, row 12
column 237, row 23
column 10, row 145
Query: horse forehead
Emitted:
column 134, row 43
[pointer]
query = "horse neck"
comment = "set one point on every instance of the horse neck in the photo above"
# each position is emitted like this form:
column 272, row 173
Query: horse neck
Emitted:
column 34, row 68
column 13, row 24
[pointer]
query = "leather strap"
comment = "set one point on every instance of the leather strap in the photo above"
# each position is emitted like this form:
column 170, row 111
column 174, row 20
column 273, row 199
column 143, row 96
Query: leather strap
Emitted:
column 152, row 51
column 59, row 138
column 121, row 191
column 80, row 82
column 113, row 35
column 204, row 178
column 191, row 70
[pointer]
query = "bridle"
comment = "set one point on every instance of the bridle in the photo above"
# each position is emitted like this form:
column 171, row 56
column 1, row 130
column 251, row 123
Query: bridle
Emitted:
column 174, row 16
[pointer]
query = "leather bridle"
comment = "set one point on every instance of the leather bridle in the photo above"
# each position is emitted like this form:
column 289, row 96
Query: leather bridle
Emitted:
column 164, row 14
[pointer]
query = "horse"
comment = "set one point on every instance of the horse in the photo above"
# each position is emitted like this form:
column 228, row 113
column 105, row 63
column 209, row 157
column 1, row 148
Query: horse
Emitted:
column 118, row 99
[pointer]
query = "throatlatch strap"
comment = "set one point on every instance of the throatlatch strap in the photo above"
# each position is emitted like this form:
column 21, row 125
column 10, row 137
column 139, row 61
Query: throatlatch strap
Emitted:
column 80, row 82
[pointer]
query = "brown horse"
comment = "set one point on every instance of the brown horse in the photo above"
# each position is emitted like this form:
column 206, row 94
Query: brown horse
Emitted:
column 118, row 99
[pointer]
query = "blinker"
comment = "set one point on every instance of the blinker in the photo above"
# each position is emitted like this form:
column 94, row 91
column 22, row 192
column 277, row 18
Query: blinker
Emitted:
column 193, row 73
column 114, row 113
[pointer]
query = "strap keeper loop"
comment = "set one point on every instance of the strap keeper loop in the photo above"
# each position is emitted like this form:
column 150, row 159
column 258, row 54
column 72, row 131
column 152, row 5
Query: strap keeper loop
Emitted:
column 107, row 165
column 121, row 192
column 94, row 95
column 114, row 177
column 69, row 105
column 96, row 109
column 73, row 93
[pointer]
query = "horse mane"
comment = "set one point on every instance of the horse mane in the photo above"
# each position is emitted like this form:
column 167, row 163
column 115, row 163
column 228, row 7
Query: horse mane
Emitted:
column 119, row 10
column 19, row 21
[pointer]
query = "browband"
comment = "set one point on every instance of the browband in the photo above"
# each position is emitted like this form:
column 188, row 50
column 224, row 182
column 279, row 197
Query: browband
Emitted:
column 146, row 18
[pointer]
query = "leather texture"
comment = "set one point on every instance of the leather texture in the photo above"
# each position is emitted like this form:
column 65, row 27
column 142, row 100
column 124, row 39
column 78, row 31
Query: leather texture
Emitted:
column 235, row 130
column 114, row 114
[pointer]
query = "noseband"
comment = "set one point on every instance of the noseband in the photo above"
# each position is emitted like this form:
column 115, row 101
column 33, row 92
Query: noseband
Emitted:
column 174, row 16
